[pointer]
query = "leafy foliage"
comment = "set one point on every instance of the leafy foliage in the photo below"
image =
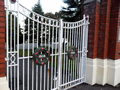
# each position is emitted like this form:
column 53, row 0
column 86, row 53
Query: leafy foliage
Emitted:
column 37, row 8
column 73, row 10
column 53, row 16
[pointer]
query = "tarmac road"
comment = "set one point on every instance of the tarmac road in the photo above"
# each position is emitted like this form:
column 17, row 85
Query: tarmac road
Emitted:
column 85, row 86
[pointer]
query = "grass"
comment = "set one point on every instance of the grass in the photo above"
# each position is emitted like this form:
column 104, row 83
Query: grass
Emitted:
column 64, row 65
column 25, row 52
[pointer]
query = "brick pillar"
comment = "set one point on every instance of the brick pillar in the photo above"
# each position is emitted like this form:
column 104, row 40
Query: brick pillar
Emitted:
column 3, row 81
column 92, row 8
column 104, row 48
column 103, row 33
column 2, row 39
column 114, row 45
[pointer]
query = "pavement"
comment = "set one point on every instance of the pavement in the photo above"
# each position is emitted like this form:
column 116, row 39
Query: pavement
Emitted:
column 85, row 86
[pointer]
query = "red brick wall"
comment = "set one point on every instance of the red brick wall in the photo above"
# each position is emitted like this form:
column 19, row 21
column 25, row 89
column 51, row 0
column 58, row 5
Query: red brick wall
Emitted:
column 114, row 45
column 117, row 56
column 103, row 34
column 103, row 29
column 92, row 9
column 2, row 39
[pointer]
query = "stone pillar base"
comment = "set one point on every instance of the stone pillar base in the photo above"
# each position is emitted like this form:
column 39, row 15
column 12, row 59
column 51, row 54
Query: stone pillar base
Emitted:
column 99, row 71
column 3, row 84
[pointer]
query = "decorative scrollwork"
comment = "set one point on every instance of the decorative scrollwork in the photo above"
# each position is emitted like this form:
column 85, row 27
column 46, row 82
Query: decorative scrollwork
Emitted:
column 12, row 59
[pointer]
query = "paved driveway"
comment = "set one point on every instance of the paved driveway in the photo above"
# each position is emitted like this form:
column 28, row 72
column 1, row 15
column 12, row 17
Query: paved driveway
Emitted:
column 95, row 87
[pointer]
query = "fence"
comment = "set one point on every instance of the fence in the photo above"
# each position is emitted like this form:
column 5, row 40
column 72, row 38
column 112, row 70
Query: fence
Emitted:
column 56, row 36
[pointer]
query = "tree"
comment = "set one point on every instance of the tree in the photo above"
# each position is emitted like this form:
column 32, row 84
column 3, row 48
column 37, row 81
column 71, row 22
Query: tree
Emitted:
column 50, row 15
column 53, row 16
column 73, row 10
column 37, row 9
column 57, row 15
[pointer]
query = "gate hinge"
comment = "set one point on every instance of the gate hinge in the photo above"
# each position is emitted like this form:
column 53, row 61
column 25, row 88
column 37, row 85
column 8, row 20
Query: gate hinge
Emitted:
column 55, row 78
column 6, row 59
column 85, row 52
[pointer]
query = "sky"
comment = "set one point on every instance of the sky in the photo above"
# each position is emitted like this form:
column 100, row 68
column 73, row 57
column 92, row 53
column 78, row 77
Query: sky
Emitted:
column 47, row 5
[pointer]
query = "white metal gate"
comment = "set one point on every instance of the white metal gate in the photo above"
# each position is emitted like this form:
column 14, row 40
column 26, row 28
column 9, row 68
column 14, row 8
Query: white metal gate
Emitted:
column 26, row 30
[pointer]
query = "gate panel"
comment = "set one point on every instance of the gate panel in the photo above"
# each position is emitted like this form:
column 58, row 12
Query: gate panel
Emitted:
column 26, row 31
column 73, row 71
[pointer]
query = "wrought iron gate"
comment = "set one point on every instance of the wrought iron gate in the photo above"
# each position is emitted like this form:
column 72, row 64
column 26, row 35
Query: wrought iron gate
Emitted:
column 27, row 30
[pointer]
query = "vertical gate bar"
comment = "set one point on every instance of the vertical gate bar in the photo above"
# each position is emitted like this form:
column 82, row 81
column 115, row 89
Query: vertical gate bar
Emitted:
column 84, row 49
column 14, row 32
column 33, row 52
column 28, row 55
column 37, row 65
column 70, row 60
column 64, row 53
column 18, row 43
column 74, row 35
column 83, row 46
column 81, row 35
column 79, row 48
column 71, row 45
column 76, row 47
column 7, row 40
column 52, row 57
column 60, row 51
column 77, row 55
column 11, row 46
column 70, row 34
column 45, row 64
column 71, row 72
column 72, row 75
column 41, row 45
column 86, row 43
column 14, row 53
column 23, row 56
column 11, row 32
column 66, row 56
column 55, row 55
column 56, row 52
column 48, row 61
column 78, row 41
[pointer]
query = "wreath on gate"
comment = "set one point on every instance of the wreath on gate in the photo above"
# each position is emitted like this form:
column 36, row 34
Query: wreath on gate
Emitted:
column 72, row 52
column 41, row 56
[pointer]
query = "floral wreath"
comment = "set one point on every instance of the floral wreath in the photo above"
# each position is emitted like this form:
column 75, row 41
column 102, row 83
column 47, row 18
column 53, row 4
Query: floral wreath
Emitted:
column 41, row 56
column 73, row 55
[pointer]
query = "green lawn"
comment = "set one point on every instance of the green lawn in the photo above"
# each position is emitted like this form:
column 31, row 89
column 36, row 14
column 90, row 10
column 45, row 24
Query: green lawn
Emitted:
column 25, row 52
